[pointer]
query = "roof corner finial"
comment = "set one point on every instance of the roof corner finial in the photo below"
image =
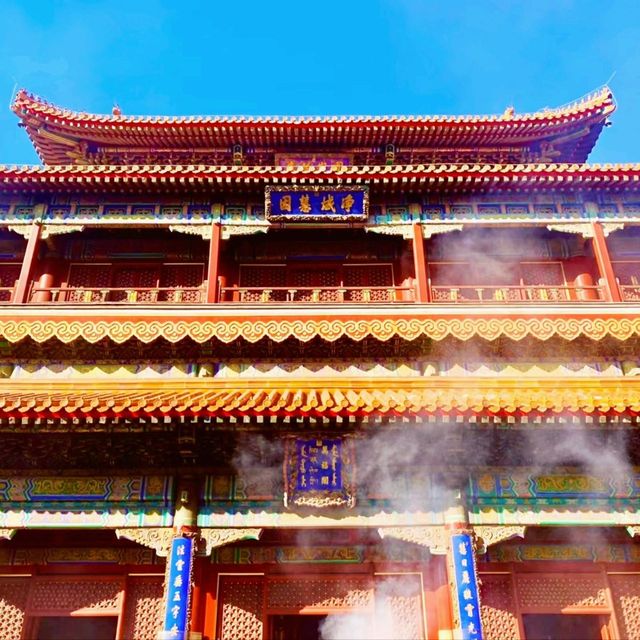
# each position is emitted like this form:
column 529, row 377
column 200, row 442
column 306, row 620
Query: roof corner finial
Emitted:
column 116, row 111
column 509, row 112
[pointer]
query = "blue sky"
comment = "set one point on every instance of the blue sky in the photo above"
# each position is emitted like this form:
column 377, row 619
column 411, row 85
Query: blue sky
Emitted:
column 346, row 56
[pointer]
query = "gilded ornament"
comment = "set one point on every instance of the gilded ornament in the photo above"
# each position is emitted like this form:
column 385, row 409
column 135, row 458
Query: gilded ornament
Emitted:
column 436, row 537
column 214, row 538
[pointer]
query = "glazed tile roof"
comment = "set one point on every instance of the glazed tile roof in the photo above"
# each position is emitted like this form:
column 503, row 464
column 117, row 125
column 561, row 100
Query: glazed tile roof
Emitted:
column 319, row 397
column 443, row 177
column 56, row 131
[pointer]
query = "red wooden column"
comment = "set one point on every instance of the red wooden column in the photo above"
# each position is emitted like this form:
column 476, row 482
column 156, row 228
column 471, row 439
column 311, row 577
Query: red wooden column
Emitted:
column 420, row 263
column 30, row 257
column 603, row 259
column 214, row 262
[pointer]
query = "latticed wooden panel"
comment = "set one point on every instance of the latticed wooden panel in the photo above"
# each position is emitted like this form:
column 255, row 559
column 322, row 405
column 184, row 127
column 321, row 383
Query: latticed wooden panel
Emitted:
column 261, row 278
column 178, row 277
column 546, row 275
column 551, row 593
column 242, row 607
column 625, row 590
column 143, row 610
column 13, row 598
column 88, row 276
column 628, row 273
column 499, row 621
column 401, row 598
column 318, row 279
column 373, row 275
column 62, row 596
column 9, row 274
column 319, row 593
column 135, row 280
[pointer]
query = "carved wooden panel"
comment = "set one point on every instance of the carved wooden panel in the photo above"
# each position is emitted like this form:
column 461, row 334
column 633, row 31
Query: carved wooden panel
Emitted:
column 9, row 274
column 295, row 594
column 553, row 592
column 242, row 607
column 499, row 621
column 539, row 274
column 401, row 598
column 380, row 275
column 263, row 277
column 181, row 275
column 143, row 609
column 13, row 598
column 61, row 596
column 91, row 276
column 625, row 590
column 136, row 278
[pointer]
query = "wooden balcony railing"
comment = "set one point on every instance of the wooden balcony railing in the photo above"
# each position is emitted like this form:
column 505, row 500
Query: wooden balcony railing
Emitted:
column 317, row 294
column 119, row 295
column 630, row 292
column 533, row 294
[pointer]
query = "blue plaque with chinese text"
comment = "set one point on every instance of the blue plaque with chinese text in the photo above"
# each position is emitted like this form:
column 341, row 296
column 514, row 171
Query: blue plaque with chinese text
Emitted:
column 319, row 472
column 316, row 203
column 466, row 587
column 178, row 589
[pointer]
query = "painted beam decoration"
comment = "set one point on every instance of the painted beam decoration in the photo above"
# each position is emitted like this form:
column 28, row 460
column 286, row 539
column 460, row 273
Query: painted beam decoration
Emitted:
column 319, row 472
column 466, row 587
column 316, row 203
column 178, row 591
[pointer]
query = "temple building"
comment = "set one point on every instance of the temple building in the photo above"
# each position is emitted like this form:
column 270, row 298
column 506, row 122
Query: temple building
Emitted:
column 286, row 378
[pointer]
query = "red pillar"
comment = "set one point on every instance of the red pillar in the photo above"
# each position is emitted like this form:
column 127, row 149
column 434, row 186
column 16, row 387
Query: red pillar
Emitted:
column 30, row 256
column 420, row 263
column 601, row 253
column 214, row 262
column 46, row 281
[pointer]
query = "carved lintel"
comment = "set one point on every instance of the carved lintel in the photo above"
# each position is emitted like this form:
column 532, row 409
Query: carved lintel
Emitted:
column 404, row 230
column 7, row 534
column 58, row 229
column 488, row 535
column 21, row 229
column 585, row 229
column 202, row 230
column 229, row 230
column 156, row 538
column 214, row 538
column 435, row 537
column 429, row 230
column 633, row 530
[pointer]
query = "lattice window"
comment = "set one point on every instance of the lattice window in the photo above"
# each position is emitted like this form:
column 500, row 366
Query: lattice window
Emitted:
column 399, row 599
column 320, row 593
column 261, row 279
column 9, row 274
column 143, row 611
column 135, row 280
column 499, row 620
column 628, row 273
column 625, row 590
column 63, row 596
column 549, row 275
column 370, row 275
column 553, row 593
column 242, row 610
column 178, row 277
column 319, row 280
column 13, row 598
column 86, row 282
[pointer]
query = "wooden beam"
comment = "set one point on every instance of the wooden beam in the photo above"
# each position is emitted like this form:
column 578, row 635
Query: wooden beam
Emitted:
column 30, row 256
column 420, row 263
column 214, row 263
column 603, row 259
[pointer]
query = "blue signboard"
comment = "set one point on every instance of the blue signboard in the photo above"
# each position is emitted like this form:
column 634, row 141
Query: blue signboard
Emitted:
column 466, row 587
column 319, row 464
column 178, row 591
column 316, row 203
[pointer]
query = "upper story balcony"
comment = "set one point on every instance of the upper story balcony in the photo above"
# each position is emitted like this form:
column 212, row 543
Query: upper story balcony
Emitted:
column 477, row 266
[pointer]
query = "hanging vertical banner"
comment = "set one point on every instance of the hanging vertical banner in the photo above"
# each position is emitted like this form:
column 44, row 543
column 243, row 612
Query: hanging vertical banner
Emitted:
column 178, row 589
column 466, row 587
